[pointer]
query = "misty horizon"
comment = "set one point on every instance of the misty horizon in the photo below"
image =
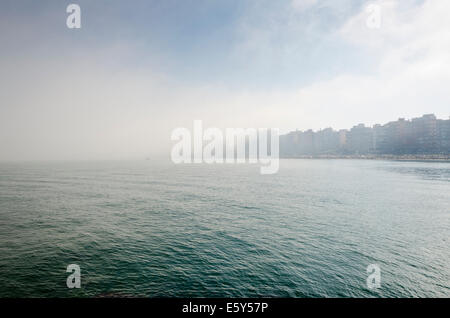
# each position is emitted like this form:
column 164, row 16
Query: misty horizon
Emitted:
column 118, row 86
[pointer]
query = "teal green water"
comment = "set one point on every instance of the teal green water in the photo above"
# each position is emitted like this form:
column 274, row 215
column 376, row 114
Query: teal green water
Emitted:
column 158, row 229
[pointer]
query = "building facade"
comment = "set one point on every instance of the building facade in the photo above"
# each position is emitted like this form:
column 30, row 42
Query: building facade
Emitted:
column 423, row 135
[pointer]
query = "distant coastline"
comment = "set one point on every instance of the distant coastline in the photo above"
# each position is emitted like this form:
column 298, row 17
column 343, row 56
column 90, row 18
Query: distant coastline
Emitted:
column 426, row 138
column 437, row 157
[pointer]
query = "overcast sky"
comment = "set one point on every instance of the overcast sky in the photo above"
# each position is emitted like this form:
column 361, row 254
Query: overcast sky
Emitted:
column 117, row 87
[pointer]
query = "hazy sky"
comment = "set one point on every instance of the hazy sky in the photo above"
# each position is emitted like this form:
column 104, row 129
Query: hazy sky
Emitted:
column 136, row 70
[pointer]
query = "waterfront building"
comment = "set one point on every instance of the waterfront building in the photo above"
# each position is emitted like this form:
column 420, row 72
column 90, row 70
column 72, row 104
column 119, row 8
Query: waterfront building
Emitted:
column 422, row 135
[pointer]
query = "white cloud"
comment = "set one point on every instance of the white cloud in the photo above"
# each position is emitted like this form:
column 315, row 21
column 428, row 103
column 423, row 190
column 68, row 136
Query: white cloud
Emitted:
column 412, row 74
column 409, row 77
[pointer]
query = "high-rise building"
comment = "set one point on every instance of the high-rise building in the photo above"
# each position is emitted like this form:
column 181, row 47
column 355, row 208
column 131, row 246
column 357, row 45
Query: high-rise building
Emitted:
column 423, row 135
column 443, row 134
column 424, row 131
column 360, row 139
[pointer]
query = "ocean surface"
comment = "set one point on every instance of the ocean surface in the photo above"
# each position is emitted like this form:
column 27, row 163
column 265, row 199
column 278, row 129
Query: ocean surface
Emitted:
column 151, row 229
